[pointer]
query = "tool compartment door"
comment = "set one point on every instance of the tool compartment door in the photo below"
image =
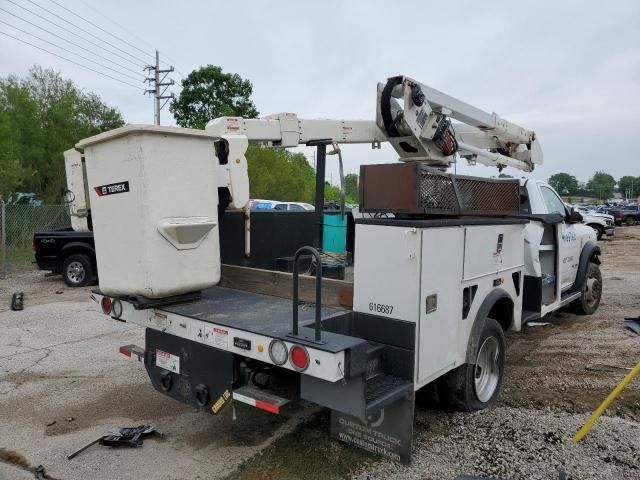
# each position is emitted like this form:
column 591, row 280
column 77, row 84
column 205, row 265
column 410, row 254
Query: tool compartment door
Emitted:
column 440, row 279
column 387, row 271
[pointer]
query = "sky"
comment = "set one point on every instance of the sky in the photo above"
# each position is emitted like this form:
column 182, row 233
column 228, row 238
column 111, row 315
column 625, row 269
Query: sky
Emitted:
column 568, row 70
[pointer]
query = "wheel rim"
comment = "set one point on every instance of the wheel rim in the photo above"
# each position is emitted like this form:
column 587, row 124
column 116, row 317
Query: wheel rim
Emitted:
column 487, row 371
column 592, row 290
column 76, row 272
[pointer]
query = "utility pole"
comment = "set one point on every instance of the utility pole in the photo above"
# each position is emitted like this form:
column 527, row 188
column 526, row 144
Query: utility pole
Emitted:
column 157, row 90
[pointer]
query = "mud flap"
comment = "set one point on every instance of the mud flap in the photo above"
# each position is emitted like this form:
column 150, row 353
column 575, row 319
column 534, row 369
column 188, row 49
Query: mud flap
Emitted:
column 388, row 433
column 195, row 374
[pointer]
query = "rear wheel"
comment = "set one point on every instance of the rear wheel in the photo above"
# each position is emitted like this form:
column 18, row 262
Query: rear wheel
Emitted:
column 475, row 386
column 77, row 270
column 630, row 221
column 591, row 292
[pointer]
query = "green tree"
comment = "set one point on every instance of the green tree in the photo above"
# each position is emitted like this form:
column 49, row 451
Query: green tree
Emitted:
column 41, row 116
column 564, row 184
column 629, row 186
column 331, row 193
column 208, row 93
column 351, row 192
column 601, row 185
column 278, row 174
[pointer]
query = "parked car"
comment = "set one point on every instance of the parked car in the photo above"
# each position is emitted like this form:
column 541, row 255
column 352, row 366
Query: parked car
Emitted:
column 602, row 223
column 261, row 204
column 631, row 214
column 293, row 206
column 616, row 212
column 69, row 253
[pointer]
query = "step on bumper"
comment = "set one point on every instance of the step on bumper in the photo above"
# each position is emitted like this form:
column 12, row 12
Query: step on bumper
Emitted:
column 134, row 352
column 261, row 399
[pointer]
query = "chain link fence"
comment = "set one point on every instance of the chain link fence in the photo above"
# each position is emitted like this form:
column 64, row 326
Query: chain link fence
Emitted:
column 17, row 226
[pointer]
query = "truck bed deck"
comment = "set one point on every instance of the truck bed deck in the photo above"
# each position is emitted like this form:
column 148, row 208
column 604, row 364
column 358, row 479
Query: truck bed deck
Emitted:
column 262, row 314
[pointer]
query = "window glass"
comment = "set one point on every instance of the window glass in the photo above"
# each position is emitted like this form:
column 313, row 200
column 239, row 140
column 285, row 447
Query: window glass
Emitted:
column 293, row 206
column 280, row 206
column 551, row 200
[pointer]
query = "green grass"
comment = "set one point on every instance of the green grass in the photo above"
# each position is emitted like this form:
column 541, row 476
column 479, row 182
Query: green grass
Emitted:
column 19, row 256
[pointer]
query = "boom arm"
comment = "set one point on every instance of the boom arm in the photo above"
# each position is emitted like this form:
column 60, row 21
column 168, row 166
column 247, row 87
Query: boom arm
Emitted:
column 415, row 120
column 411, row 116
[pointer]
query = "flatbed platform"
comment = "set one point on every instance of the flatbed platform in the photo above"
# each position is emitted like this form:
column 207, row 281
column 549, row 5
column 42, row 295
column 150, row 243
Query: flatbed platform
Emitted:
column 261, row 314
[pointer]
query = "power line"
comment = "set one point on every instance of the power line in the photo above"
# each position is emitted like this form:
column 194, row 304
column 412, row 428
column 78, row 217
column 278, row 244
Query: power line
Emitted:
column 62, row 38
column 121, row 27
column 72, row 61
column 100, row 28
column 82, row 29
column 74, row 33
column 70, row 51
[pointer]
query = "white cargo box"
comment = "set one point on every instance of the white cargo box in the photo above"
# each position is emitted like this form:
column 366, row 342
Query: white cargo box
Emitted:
column 154, row 202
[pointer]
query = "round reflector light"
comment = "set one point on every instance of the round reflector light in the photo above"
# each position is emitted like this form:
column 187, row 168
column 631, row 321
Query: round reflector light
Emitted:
column 106, row 305
column 278, row 352
column 299, row 358
column 116, row 308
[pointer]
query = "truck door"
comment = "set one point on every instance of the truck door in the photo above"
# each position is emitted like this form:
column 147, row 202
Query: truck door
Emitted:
column 568, row 239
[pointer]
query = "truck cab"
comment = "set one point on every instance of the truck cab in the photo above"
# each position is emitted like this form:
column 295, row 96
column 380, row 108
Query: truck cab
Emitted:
column 559, row 253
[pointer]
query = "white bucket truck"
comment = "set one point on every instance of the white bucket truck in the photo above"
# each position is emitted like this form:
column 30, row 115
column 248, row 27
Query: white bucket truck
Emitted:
column 445, row 265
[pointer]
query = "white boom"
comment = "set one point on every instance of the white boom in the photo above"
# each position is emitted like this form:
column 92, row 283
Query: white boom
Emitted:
column 414, row 118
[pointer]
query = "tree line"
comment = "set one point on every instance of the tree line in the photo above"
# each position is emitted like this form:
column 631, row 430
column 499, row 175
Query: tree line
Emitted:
column 41, row 116
column 601, row 185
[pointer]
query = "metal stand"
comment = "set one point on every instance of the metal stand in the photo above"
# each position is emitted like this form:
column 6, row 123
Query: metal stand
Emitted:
column 321, row 162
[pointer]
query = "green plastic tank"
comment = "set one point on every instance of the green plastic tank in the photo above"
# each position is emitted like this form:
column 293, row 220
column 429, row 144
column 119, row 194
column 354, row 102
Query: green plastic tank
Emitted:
column 334, row 233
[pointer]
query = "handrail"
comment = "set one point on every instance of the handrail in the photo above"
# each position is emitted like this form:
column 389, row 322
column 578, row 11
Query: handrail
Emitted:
column 318, row 307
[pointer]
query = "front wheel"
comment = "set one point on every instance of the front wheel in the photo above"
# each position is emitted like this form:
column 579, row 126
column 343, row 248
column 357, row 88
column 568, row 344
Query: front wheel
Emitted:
column 599, row 231
column 475, row 386
column 630, row 221
column 591, row 292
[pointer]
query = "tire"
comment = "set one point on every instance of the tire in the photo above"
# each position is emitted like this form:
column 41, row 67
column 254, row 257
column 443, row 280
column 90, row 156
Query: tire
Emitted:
column 599, row 231
column 77, row 270
column 588, row 303
column 471, row 387
column 630, row 221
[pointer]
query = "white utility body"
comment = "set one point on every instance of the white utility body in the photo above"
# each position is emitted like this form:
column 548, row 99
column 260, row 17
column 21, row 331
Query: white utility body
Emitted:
column 433, row 291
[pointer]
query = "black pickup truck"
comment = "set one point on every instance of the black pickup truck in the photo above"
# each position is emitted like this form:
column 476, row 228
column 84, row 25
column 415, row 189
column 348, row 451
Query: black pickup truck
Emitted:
column 69, row 253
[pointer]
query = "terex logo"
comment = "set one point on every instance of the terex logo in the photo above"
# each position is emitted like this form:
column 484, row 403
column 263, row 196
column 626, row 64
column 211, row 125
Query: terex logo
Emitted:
column 112, row 188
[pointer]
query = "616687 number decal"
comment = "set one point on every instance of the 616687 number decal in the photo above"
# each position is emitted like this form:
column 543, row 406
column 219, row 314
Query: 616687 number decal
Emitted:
column 380, row 308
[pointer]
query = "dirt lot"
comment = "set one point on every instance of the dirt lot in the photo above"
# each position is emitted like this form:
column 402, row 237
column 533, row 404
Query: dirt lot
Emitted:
column 58, row 361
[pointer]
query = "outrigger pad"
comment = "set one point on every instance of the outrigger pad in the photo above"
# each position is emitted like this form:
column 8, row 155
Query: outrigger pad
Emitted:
column 388, row 432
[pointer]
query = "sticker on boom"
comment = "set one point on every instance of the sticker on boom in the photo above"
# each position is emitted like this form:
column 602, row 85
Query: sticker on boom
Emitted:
column 112, row 188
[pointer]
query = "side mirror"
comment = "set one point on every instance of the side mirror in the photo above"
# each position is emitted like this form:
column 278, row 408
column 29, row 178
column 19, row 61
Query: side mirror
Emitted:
column 574, row 216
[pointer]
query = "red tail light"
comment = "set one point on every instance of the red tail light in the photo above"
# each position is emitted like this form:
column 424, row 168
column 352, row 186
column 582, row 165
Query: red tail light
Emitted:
column 299, row 357
column 106, row 305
